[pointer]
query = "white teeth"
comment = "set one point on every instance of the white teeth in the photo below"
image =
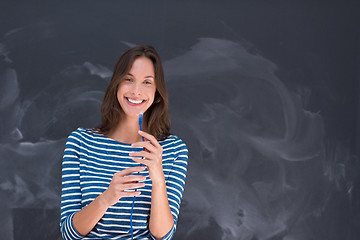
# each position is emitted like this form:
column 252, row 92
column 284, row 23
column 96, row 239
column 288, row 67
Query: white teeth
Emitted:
column 134, row 101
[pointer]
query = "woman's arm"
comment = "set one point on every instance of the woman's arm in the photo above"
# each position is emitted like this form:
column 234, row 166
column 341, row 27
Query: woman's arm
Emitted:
column 86, row 219
column 162, row 218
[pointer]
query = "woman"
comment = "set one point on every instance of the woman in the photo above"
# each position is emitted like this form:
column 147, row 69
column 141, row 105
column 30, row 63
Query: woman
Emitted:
column 114, row 185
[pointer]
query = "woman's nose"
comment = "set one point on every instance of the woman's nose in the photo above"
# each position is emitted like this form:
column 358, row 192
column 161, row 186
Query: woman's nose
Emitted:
column 136, row 89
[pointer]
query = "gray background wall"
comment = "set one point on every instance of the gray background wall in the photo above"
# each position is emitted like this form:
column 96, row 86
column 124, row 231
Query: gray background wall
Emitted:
column 264, row 93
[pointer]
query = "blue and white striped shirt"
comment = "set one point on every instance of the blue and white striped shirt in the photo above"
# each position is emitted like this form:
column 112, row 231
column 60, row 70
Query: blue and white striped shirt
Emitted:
column 89, row 163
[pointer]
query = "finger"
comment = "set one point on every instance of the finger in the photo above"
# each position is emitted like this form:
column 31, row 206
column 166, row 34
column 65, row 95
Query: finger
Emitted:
column 130, row 186
column 130, row 170
column 131, row 194
column 142, row 154
column 150, row 137
column 147, row 145
column 142, row 161
column 133, row 178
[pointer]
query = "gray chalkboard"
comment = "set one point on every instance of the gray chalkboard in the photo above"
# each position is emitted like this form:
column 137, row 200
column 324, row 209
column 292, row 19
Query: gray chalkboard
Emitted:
column 264, row 93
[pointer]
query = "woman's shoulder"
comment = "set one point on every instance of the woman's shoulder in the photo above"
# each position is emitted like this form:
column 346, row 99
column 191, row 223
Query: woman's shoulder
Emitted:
column 81, row 133
column 173, row 141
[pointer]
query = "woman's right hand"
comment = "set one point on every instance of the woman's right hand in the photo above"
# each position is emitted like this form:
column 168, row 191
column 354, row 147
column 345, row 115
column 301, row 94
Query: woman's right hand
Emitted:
column 122, row 181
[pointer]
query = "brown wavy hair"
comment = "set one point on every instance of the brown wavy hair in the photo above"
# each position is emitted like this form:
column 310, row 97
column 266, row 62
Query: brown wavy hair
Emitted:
column 156, row 119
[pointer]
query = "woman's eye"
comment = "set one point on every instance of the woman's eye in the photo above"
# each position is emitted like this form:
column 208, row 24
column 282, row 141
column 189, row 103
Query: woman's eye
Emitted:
column 128, row 79
column 147, row 82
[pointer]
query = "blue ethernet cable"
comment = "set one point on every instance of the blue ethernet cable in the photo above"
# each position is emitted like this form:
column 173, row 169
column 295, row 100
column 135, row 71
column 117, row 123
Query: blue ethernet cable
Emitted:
column 133, row 202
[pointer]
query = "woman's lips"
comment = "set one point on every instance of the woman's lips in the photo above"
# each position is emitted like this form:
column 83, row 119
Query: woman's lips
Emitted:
column 134, row 102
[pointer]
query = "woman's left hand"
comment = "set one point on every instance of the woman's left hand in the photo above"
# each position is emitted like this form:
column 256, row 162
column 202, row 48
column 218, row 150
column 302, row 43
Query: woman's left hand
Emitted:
column 151, row 157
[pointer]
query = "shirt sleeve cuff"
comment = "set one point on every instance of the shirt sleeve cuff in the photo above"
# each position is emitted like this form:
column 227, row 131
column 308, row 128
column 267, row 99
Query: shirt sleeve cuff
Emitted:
column 69, row 232
column 168, row 236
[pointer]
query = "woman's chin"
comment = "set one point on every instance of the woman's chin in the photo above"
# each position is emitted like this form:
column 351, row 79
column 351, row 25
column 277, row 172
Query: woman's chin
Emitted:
column 133, row 113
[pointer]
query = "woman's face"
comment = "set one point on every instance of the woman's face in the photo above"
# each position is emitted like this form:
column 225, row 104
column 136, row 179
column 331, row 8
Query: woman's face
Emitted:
column 136, row 91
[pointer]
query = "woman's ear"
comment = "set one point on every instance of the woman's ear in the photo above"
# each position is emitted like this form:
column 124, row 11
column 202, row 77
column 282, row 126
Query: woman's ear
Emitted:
column 157, row 97
column 157, row 100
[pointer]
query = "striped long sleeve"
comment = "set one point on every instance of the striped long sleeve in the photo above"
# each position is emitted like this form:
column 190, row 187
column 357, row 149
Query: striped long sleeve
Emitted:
column 71, row 192
column 89, row 162
column 175, row 180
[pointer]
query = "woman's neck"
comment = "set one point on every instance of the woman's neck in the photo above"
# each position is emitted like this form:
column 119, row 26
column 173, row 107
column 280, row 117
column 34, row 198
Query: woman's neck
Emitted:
column 126, row 131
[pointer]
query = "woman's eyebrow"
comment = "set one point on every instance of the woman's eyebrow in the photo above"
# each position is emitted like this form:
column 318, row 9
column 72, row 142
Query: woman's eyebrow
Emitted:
column 145, row 76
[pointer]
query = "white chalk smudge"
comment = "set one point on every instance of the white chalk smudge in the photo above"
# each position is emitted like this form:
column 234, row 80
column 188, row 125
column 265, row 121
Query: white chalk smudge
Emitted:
column 97, row 69
column 9, row 90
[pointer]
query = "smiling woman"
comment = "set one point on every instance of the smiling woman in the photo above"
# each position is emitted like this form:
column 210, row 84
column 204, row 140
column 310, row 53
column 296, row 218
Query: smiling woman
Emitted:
column 129, row 68
column 102, row 196
column 136, row 91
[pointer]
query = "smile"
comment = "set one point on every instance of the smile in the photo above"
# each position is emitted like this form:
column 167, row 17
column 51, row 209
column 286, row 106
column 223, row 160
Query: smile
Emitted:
column 135, row 101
